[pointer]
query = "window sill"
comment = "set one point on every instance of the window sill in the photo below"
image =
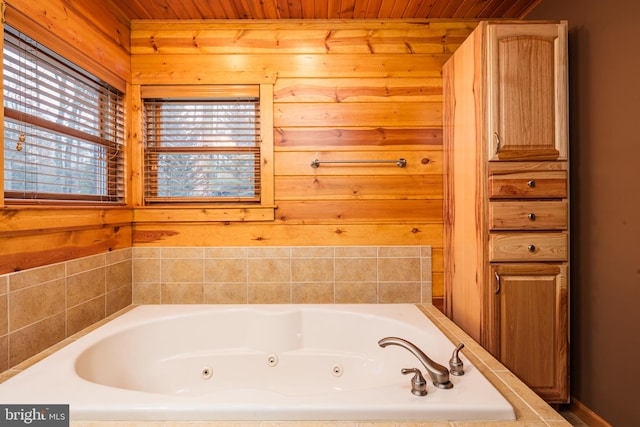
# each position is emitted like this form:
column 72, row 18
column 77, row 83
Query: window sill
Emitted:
column 230, row 213
column 27, row 220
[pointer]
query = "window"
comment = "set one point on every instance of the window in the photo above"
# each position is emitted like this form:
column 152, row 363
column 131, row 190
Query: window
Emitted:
column 63, row 129
column 204, row 149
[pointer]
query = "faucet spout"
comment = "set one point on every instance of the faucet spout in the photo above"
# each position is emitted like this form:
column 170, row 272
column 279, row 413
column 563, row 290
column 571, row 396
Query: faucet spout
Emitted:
column 438, row 373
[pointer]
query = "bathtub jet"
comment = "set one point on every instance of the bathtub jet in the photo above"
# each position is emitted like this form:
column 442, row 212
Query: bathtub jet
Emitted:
column 255, row 362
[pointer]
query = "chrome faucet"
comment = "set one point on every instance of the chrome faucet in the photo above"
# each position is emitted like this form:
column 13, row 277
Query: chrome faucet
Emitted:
column 438, row 373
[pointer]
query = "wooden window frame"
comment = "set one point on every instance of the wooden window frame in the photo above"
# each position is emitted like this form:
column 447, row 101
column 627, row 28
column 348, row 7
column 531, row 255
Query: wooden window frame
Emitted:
column 185, row 211
column 35, row 128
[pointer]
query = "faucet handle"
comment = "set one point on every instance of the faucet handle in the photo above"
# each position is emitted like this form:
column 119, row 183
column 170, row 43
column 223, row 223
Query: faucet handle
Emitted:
column 456, row 367
column 418, row 383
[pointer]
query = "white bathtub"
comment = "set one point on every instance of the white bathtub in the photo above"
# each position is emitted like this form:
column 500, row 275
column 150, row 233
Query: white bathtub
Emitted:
column 274, row 362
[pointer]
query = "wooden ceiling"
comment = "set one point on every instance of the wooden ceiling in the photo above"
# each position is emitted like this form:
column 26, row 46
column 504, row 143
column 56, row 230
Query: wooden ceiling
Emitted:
column 323, row 9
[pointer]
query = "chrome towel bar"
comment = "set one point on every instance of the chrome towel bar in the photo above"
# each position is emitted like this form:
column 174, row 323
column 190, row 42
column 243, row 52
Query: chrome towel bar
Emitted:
column 400, row 162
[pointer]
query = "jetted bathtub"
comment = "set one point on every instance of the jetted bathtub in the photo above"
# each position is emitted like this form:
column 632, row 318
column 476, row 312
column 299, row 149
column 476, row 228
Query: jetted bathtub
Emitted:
column 256, row 362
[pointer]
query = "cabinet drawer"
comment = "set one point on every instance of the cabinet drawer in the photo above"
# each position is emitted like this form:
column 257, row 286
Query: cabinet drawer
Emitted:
column 528, row 246
column 528, row 215
column 534, row 185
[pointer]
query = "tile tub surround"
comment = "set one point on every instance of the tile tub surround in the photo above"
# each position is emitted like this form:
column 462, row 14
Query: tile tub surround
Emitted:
column 531, row 411
column 283, row 275
column 41, row 306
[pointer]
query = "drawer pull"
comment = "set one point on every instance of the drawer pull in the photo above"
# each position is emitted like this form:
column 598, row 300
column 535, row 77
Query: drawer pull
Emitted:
column 531, row 183
column 531, row 248
column 497, row 283
column 532, row 216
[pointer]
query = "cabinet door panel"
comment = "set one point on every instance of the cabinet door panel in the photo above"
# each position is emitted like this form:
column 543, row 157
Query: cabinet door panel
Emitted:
column 529, row 327
column 528, row 68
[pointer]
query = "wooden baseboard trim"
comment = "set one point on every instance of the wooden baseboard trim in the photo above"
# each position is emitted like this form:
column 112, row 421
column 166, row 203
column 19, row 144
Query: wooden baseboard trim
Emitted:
column 587, row 415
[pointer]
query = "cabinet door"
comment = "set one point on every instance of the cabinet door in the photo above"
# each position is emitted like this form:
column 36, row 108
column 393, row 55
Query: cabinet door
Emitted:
column 528, row 328
column 527, row 69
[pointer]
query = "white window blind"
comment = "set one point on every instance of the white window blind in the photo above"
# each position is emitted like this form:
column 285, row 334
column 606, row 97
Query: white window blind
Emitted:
column 63, row 129
column 202, row 150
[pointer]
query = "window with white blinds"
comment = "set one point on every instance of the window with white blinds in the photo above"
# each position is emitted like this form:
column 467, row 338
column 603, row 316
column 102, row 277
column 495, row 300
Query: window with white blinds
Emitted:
column 63, row 129
column 204, row 150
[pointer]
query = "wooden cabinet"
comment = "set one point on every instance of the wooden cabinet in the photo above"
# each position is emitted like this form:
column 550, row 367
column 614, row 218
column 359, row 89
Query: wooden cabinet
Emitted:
column 506, row 206
column 526, row 76
column 530, row 320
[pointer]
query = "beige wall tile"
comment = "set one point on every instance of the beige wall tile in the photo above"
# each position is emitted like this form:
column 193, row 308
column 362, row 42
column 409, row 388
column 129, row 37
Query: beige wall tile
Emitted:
column 4, row 284
column 151, row 253
column 237, row 252
column 118, row 275
column 399, row 251
column 32, row 304
column 268, row 270
column 146, row 270
column 268, row 293
column 426, row 292
column 118, row 299
column 399, row 269
column 34, row 338
column 356, row 269
column 182, row 253
column 182, row 293
column 182, row 270
column 81, row 265
column 4, row 315
column 36, row 276
column 426, row 269
column 426, row 251
column 312, row 293
column 83, row 287
column 269, row 252
column 85, row 314
column 225, row 270
column 225, row 293
column 119, row 255
column 146, row 293
column 394, row 292
column 4, row 353
column 356, row 251
column 312, row 252
column 356, row 292
column 312, row 270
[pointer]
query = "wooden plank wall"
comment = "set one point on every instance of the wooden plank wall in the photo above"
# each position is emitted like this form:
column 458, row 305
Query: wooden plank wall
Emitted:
column 97, row 38
column 344, row 90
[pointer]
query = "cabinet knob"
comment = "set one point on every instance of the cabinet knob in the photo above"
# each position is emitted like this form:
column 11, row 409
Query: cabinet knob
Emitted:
column 531, row 183
column 532, row 216
column 531, row 248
